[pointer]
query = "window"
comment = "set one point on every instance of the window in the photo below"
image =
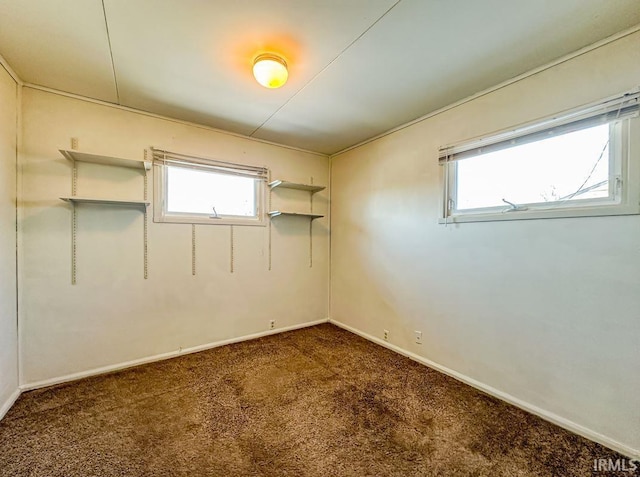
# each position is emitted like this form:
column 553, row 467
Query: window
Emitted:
column 576, row 164
column 196, row 190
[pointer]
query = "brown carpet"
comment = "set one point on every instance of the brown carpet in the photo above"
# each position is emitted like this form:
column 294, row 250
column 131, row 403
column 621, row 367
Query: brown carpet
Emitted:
column 314, row 402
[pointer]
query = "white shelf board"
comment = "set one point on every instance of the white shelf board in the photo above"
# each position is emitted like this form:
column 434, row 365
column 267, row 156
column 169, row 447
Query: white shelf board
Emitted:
column 99, row 201
column 76, row 156
column 276, row 213
column 295, row 185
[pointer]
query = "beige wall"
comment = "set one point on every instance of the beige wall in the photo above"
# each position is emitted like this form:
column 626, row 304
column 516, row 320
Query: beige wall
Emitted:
column 8, row 321
column 113, row 315
column 546, row 312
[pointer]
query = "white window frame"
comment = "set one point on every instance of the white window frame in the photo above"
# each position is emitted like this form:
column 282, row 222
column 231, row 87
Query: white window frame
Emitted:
column 624, row 169
column 165, row 159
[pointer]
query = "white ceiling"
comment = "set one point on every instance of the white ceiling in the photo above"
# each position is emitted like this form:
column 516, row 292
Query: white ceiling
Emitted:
column 357, row 67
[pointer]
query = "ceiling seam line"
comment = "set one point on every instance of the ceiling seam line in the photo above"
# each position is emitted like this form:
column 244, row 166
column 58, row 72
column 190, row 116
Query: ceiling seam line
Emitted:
column 113, row 65
column 323, row 69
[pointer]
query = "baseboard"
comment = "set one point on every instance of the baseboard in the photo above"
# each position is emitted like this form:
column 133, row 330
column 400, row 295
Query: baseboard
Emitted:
column 546, row 415
column 159, row 357
column 4, row 409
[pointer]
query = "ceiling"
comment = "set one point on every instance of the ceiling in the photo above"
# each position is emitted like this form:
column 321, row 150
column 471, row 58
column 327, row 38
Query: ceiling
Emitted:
column 357, row 68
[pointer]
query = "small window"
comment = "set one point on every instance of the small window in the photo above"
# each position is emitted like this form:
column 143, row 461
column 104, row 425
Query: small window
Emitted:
column 578, row 164
column 195, row 190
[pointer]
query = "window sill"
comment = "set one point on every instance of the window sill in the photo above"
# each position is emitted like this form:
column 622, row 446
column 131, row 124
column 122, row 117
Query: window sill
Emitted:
column 533, row 214
column 171, row 219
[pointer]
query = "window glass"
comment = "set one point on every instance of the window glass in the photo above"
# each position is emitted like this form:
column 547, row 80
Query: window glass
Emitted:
column 195, row 191
column 568, row 167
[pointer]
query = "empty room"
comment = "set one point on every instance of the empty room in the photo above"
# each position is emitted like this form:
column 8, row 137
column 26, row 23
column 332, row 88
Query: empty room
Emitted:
column 319, row 238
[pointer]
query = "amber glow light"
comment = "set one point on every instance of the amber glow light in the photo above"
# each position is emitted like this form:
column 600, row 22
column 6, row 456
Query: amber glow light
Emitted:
column 270, row 71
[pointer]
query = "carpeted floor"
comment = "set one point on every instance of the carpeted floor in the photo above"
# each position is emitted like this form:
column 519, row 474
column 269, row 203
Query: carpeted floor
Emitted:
column 314, row 402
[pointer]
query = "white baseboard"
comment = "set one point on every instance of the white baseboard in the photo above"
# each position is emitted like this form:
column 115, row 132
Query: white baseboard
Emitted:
column 160, row 357
column 546, row 415
column 4, row 409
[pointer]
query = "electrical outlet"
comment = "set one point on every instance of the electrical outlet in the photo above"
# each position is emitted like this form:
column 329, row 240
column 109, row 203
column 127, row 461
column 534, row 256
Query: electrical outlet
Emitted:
column 418, row 337
column 386, row 335
column 272, row 324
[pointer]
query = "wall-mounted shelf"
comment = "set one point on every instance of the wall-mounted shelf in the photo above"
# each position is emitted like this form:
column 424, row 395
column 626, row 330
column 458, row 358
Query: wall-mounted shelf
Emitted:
column 94, row 200
column 276, row 213
column 75, row 156
column 294, row 185
column 311, row 189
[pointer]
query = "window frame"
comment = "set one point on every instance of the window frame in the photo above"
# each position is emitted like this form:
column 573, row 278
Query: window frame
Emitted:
column 624, row 170
column 162, row 215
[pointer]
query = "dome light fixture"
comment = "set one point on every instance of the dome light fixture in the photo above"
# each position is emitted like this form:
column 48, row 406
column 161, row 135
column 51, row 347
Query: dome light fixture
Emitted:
column 270, row 71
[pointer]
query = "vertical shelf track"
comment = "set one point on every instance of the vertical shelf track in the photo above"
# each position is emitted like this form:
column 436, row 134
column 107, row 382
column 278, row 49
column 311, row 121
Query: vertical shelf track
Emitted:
column 193, row 249
column 311, row 227
column 145, row 234
column 269, row 225
column 74, row 222
column 231, row 250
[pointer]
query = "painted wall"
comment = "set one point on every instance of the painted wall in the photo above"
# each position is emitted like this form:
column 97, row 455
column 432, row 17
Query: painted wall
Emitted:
column 113, row 315
column 8, row 321
column 545, row 311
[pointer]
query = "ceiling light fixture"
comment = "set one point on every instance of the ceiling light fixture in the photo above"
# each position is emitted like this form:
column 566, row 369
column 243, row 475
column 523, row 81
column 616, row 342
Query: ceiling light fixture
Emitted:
column 270, row 71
